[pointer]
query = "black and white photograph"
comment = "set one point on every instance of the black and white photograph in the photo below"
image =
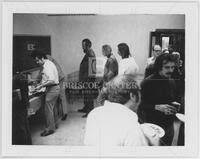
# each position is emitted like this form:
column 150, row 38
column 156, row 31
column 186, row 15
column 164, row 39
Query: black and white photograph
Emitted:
column 96, row 79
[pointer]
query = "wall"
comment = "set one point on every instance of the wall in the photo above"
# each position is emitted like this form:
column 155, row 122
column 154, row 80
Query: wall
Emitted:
column 67, row 33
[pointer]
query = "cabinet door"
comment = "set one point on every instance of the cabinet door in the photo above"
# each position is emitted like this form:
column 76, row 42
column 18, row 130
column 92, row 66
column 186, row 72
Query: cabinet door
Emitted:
column 22, row 48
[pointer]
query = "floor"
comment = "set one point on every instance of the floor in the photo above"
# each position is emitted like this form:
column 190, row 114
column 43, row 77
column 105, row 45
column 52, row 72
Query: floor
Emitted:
column 69, row 132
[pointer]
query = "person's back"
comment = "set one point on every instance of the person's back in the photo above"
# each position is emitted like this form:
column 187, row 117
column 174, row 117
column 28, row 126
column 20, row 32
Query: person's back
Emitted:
column 116, row 123
column 128, row 66
column 60, row 72
column 110, row 66
column 113, row 125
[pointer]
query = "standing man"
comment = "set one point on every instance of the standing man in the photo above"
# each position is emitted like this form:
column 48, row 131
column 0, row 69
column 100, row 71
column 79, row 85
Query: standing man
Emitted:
column 127, row 65
column 111, row 66
column 150, row 61
column 62, row 94
column 50, row 80
column 87, row 74
column 110, row 71
column 158, row 97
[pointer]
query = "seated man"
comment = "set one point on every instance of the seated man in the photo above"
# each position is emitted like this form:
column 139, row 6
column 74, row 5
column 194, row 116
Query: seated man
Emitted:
column 116, row 123
column 158, row 97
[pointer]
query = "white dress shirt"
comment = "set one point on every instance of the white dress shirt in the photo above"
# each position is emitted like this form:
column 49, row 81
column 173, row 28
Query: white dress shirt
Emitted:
column 113, row 125
column 150, row 61
column 128, row 66
column 49, row 72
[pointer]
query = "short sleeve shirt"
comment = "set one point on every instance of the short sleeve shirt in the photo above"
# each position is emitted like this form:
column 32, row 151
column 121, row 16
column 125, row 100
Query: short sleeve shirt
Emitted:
column 49, row 72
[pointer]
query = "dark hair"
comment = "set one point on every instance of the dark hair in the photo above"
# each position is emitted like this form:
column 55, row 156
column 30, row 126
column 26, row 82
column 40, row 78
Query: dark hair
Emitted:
column 39, row 53
column 124, row 50
column 120, row 87
column 107, row 48
column 88, row 42
column 165, row 57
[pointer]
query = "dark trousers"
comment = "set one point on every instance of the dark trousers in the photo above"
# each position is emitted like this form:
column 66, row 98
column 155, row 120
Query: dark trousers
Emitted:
column 20, row 128
column 88, row 102
column 168, row 138
column 181, row 137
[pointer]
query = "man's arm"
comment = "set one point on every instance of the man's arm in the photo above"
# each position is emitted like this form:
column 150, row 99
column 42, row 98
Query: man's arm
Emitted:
column 112, row 69
column 148, row 99
column 147, row 95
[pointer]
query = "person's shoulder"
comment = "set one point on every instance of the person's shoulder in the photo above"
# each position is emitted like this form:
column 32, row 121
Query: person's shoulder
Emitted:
column 148, row 80
column 91, row 53
column 111, row 59
column 95, row 113
column 152, row 76
column 131, row 60
column 96, row 110
column 49, row 63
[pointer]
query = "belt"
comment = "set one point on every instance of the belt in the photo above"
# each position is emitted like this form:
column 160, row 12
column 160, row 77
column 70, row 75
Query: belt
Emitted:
column 53, row 85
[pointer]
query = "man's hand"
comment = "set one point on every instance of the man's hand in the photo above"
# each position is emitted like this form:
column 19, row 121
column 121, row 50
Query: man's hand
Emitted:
column 38, row 87
column 165, row 108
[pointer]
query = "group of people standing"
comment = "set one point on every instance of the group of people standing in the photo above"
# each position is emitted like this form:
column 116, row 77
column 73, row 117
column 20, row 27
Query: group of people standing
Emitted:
column 126, row 66
column 123, row 105
column 162, row 96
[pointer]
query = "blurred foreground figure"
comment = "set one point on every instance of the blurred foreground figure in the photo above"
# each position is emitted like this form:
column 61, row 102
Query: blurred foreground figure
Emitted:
column 159, row 98
column 20, row 126
column 116, row 123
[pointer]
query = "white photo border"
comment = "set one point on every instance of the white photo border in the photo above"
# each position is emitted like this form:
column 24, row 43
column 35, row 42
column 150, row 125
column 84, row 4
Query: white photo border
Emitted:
column 189, row 9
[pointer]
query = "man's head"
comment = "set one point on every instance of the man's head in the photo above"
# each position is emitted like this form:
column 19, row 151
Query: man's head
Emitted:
column 164, row 65
column 123, row 50
column 123, row 89
column 106, row 50
column 86, row 45
column 39, row 56
column 156, row 50
column 177, row 57
column 165, row 51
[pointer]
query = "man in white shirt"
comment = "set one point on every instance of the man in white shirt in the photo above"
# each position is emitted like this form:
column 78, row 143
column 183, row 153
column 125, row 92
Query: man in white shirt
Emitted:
column 127, row 65
column 50, row 80
column 115, row 124
column 62, row 94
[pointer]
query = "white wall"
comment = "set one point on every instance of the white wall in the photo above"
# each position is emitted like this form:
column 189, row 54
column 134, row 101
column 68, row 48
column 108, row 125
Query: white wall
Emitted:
column 67, row 33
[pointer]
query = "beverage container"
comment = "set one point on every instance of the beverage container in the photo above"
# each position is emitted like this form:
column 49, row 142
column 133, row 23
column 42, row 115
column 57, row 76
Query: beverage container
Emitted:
column 176, row 105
